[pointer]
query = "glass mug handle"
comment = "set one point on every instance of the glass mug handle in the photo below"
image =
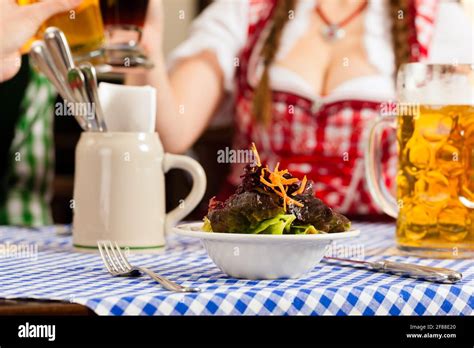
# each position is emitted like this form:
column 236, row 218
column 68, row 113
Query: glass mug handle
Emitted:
column 373, row 166
column 198, row 175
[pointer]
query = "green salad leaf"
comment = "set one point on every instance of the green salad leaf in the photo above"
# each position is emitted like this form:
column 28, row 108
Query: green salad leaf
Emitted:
column 305, row 229
column 206, row 226
column 277, row 225
column 280, row 224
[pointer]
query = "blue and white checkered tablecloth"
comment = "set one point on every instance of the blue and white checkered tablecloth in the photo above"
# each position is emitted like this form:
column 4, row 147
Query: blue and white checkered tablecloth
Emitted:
column 56, row 272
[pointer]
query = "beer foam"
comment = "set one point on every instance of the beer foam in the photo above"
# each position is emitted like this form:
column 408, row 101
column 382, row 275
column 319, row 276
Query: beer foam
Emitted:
column 459, row 90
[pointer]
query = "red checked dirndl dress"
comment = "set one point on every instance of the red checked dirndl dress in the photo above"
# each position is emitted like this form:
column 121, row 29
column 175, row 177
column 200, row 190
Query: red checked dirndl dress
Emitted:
column 326, row 141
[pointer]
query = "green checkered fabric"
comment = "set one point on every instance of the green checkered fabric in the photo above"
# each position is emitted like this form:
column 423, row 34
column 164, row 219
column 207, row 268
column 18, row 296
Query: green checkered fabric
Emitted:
column 31, row 166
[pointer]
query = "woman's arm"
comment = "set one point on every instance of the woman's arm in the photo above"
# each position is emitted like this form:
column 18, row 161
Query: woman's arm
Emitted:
column 188, row 95
column 186, row 98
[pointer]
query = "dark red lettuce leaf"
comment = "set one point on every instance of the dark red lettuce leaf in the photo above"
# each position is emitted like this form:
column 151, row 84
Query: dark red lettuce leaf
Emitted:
column 242, row 211
column 315, row 212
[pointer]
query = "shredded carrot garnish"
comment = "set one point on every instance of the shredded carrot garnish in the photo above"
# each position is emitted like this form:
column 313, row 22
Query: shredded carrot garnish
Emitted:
column 302, row 187
column 264, row 181
column 289, row 181
column 257, row 156
column 279, row 184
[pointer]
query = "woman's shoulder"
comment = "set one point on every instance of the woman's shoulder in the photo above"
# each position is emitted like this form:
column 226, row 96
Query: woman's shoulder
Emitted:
column 222, row 29
column 246, row 11
column 453, row 35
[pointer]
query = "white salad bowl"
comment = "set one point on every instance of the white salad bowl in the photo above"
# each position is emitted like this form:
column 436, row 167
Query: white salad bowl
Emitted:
column 263, row 256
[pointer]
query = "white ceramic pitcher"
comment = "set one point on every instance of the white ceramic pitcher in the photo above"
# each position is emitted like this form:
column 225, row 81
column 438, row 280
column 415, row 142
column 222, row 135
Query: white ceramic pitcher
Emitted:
column 119, row 190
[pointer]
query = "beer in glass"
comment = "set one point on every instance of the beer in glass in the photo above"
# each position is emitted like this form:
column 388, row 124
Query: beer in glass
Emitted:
column 83, row 28
column 434, row 121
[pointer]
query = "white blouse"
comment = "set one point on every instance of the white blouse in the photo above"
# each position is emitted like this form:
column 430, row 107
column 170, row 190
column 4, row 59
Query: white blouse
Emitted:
column 222, row 28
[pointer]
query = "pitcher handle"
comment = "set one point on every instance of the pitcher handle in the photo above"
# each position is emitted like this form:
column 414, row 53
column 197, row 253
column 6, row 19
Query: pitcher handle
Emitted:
column 197, row 191
column 373, row 167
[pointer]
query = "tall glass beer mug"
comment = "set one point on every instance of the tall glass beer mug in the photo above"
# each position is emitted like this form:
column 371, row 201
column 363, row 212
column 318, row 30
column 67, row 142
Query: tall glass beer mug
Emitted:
column 434, row 120
column 83, row 28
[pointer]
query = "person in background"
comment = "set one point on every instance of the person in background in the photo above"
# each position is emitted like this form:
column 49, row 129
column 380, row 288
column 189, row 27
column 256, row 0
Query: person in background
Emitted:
column 305, row 79
column 26, row 139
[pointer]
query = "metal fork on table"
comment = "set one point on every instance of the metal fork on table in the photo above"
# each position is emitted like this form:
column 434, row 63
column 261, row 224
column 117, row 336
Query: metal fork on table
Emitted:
column 117, row 265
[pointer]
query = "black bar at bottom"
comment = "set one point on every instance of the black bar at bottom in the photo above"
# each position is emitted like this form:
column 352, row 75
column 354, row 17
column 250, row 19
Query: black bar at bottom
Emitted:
column 136, row 331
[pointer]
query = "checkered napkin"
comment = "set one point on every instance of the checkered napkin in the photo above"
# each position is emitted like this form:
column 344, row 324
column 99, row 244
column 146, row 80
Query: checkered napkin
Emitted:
column 52, row 270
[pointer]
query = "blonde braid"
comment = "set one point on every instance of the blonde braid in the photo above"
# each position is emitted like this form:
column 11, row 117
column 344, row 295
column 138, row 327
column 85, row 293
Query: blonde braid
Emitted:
column 401, row 30
column 262, row 99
